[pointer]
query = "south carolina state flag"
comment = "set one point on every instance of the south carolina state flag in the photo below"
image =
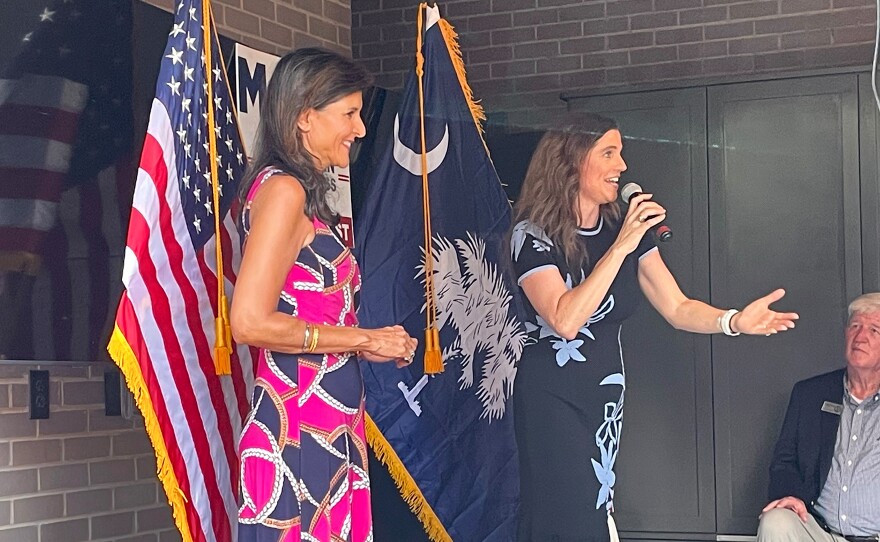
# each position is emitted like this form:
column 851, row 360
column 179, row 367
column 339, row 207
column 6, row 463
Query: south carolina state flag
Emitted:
column 447, row 439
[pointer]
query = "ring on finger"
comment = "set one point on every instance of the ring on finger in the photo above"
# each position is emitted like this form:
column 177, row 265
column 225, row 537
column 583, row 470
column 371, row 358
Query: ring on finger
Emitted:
column 642, row 218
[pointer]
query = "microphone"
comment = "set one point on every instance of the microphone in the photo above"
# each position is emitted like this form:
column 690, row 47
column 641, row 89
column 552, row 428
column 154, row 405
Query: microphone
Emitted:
column 661, row 231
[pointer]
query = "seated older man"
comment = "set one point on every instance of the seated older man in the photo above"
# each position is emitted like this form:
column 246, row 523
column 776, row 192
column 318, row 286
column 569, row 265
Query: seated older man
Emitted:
column 825, row 475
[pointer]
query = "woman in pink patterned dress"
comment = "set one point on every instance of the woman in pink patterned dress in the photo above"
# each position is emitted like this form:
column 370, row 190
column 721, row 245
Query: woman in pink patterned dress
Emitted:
column 303, row 451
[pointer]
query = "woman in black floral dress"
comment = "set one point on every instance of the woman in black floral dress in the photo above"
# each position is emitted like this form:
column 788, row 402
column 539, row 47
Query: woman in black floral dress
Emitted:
column 581, row 265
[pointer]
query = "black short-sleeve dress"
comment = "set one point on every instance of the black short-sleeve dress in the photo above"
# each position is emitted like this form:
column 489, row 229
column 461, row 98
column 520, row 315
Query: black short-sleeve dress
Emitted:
column 569, row 395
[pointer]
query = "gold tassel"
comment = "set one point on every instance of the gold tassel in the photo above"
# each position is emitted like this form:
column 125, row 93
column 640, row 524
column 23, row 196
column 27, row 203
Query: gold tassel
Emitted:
column 222, row 340
column 433, row 359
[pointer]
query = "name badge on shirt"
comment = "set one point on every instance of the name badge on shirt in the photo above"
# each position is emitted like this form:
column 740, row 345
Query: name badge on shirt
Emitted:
column 832, row 408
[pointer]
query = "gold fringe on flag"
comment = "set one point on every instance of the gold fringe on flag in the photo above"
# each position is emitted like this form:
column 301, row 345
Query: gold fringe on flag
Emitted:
column 405, row 484
column 222, row 330
column 121, row 353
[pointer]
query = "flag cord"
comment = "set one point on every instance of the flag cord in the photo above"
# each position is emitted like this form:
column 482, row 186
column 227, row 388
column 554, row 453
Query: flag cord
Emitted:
column 222, row 331
column 433, row 362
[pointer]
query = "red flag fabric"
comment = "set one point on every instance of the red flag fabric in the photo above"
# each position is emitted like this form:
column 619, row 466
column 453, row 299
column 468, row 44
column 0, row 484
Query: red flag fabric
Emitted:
column 164, row 335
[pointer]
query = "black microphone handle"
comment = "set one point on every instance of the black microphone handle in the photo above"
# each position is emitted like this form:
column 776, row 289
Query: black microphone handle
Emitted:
column 661, row 231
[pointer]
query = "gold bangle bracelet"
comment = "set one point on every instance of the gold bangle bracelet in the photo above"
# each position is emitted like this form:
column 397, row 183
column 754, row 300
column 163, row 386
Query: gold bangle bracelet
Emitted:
column 307, row 334
column 314, row 344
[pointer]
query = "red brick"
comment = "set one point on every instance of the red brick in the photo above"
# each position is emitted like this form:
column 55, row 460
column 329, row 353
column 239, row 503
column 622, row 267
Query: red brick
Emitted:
column 751, row 10
column 544, row 49
column 800, row 40
column 559, row 30
column 844, row 55
column 559, row 64
column 135, row 496
column 513, row 68
column 666, row 5
column 35, row 452
column 678, row 35
column 276, row 33
column 132, row 443
column 710, row 49
column 19, row 534
column 745, row 28
column 853, row 34
column 292, row 18
column 799, row 6
column 261, row 8
column 652, row 55
column 653, row 20
column 535, row 17
column 702, row 15
column 582, row 45
column 512, row 5
column 77, row 529
column 536, row 82
column 4, row 454
column 729, row 65
column 87, row 447
column 454, row 10
column 31, row 509
column 114, row 470
column 605, row 60
column 490, row 54
column 628, row 7
column 776, row 61
column 320, row 28
column 633, row 39
column 17, row 425
column 5, row 513
column 582, row 12
column 600, row 27
column 72, row 475
column 63, row 422
column 513, row 35
column 113, row 525
column 153, row 519
column 633, row 74
column 338, row 13
column 88, row 502
column 489, row 22
column 584, row 79
column 18, row 482
column 756, row 44
column 239, row 20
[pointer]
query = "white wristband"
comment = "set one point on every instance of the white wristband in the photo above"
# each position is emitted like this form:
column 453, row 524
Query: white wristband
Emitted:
column 724, row 323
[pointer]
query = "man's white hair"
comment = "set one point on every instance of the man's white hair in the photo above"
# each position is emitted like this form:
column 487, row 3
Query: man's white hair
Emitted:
column 865, row 303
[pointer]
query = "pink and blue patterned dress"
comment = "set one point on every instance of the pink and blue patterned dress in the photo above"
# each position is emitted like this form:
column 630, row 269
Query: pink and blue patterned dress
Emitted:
column 303, row 451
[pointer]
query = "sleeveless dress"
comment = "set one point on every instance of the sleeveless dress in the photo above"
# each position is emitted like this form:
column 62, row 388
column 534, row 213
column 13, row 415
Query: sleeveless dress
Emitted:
column 303, row 451
column 568, row 396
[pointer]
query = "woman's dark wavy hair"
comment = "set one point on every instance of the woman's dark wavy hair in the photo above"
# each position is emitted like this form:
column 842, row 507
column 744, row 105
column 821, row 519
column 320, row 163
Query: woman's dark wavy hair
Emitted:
column 308, row 78
column 550, row 189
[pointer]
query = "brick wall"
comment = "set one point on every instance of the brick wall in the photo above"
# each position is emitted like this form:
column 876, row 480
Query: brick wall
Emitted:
column 521, row 54
column 78, row 475
column 277, row 26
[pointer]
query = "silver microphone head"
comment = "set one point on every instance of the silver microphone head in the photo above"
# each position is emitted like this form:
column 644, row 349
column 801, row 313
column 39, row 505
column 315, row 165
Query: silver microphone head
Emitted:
column 629, row 190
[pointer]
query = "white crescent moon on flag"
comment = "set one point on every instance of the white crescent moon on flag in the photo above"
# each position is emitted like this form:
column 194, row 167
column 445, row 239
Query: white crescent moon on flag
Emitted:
column 411, row 161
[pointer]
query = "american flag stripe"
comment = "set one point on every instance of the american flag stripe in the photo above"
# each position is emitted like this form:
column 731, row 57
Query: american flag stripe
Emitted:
column 186, row 298
column 171, row 279
column 129, row 324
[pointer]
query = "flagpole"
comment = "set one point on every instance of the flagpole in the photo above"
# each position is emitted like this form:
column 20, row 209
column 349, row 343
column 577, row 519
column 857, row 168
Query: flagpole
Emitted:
column 433, row 362
column 222, row 338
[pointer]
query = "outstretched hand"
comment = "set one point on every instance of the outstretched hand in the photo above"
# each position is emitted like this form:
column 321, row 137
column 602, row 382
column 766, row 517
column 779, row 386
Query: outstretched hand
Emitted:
column 758, row 319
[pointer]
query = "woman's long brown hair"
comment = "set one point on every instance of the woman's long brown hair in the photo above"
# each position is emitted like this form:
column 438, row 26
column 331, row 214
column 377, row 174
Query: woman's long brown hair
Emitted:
column 550, row 190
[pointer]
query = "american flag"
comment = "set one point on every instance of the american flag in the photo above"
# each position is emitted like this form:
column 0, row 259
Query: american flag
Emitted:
column 164, row 335
column 65, row 141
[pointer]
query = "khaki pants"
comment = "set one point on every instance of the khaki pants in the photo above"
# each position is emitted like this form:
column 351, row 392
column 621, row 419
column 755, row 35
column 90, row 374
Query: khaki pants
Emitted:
column 783, row 525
